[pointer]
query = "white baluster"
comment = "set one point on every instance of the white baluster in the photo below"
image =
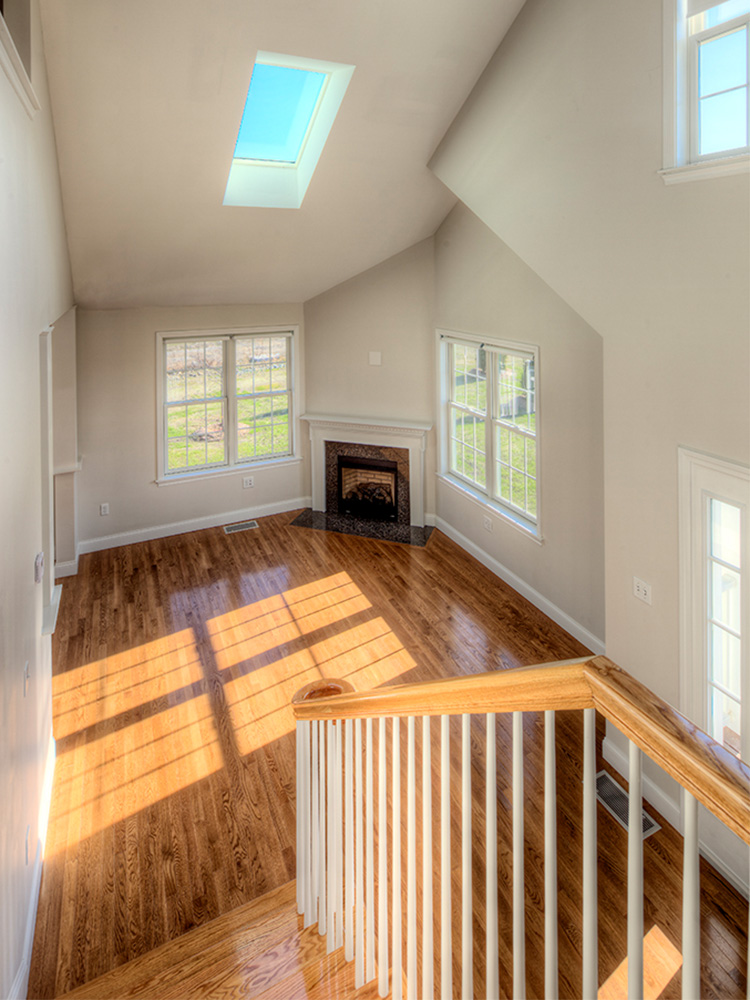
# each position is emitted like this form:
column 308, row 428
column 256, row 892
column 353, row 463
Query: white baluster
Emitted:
column 359, row 885
column 314, row 816
column 519, row 917
column 550, row 859
column 339, row 844
column 691, row 916
column 467, row 943
column 323, row 902
column 369, row 858
column 635, row 878
column 427, row 946
column 446, row 949
column 349, row 845
column 382, row 866
column 307, row 814
column 331, row 752
column 590, row 915
column 411, row 865
column 491, row 940
column 396, row 986
column 300, row 821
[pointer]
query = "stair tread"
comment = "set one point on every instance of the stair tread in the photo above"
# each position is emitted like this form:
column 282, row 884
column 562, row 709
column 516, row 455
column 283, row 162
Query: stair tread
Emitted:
column 241, row 936
column 258, row 950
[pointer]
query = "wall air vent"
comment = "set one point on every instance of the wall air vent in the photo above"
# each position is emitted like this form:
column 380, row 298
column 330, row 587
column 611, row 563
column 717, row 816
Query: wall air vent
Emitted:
column 615, row 800
column 230, row 529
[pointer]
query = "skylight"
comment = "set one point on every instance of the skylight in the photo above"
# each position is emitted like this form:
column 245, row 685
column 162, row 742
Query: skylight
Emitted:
column 279, row 108
column 290, row 108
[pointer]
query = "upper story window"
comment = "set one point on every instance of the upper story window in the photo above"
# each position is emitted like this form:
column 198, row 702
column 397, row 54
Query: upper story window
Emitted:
column 719, row 79
column 490, row 433
column 707, row 111
column 226, row 400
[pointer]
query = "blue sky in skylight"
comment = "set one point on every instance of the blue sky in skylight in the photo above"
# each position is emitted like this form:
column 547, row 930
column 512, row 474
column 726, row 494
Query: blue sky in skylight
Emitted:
column 278, row 110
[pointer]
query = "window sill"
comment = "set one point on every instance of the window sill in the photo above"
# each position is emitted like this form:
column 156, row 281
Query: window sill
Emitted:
column 234, row 470
column 706, row 169
column 528, row 529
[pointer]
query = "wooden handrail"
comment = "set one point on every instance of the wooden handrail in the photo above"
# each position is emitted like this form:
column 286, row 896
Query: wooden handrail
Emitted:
column 698, row 763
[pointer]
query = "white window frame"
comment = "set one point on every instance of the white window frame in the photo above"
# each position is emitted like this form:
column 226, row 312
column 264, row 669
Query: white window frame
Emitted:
column 13, row 67
column 233, row 464
column 701, row 479
column 680, row 113
column 486, row 498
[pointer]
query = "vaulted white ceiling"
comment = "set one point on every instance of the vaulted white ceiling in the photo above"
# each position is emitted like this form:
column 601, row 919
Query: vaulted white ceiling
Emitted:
column 147, row 97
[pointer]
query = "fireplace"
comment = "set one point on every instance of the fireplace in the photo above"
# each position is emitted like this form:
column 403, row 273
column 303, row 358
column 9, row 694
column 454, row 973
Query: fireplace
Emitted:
column 367, row 488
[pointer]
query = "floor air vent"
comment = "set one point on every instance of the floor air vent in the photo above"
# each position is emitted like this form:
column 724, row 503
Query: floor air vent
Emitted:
column 614, row 798
column 229, row 529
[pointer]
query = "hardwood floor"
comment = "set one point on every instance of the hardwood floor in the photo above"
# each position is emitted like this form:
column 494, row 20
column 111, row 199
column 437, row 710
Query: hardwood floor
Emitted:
column 174, row 800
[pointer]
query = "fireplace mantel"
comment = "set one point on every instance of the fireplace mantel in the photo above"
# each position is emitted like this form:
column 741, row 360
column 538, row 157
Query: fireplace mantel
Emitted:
column 377, row 431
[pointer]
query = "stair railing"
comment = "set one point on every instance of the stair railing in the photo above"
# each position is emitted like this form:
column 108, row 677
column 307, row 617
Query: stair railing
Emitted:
column 337, row 826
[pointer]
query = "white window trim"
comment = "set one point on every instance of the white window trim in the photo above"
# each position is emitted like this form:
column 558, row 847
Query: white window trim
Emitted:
column 676, row 130
column 15, row 70
column 529, row 529
column 702, row 477
column 162, row 477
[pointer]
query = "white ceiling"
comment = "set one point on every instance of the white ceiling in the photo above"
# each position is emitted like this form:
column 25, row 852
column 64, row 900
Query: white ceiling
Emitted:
column 147, row 97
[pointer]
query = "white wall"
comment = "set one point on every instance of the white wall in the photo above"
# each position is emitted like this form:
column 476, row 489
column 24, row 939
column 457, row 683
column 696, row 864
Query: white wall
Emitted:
column 482, row 287
column 117, row 430
column 35, row 289
column 557, row 151
column 387, row 309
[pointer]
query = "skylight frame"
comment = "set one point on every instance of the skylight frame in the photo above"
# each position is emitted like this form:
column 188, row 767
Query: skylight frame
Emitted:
column 278, row 184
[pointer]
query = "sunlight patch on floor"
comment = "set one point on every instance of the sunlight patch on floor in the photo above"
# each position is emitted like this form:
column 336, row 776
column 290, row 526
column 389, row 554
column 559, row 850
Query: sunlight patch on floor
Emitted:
column 105, row 688
column 661, row 961
column 99, row 782
column 259, row 697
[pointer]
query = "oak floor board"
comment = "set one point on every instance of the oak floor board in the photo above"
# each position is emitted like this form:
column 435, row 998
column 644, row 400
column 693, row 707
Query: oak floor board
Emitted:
column 174, row 800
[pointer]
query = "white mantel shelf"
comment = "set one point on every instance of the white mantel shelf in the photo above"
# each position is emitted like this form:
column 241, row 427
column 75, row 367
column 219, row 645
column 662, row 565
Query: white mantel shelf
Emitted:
column 379, row 431
column 367, row 423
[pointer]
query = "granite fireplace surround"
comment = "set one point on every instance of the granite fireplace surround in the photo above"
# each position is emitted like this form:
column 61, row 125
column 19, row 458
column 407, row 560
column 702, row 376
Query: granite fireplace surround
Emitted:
column 399, row 442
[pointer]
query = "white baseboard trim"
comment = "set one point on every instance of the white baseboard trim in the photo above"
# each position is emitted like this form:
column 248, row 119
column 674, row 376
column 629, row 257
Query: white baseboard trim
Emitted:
column 69, row 568
column 194, row 524
column 671, row 810
column 20, row 987
column 595, row 644
column 659, row 799
column 720, row 864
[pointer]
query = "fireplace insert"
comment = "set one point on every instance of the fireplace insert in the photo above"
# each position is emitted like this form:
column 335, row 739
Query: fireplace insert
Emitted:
column 367, row 488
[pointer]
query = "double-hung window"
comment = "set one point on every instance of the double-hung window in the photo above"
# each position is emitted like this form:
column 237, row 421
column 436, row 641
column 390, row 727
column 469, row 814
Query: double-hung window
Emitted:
column 226, row 399
column 707, row 84
column 490, row 423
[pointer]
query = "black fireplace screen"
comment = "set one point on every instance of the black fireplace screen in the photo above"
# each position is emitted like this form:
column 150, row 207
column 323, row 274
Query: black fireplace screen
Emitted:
column 367, row 488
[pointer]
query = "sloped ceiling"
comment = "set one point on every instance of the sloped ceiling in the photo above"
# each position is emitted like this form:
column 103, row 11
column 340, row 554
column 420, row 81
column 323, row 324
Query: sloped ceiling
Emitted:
column 147, row 96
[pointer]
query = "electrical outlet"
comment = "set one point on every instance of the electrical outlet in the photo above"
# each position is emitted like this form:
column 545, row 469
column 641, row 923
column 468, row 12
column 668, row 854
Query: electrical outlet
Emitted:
column 103, row 509
column 248, row 482
column 642, row 590
column 487, row 522
column 26, row 678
